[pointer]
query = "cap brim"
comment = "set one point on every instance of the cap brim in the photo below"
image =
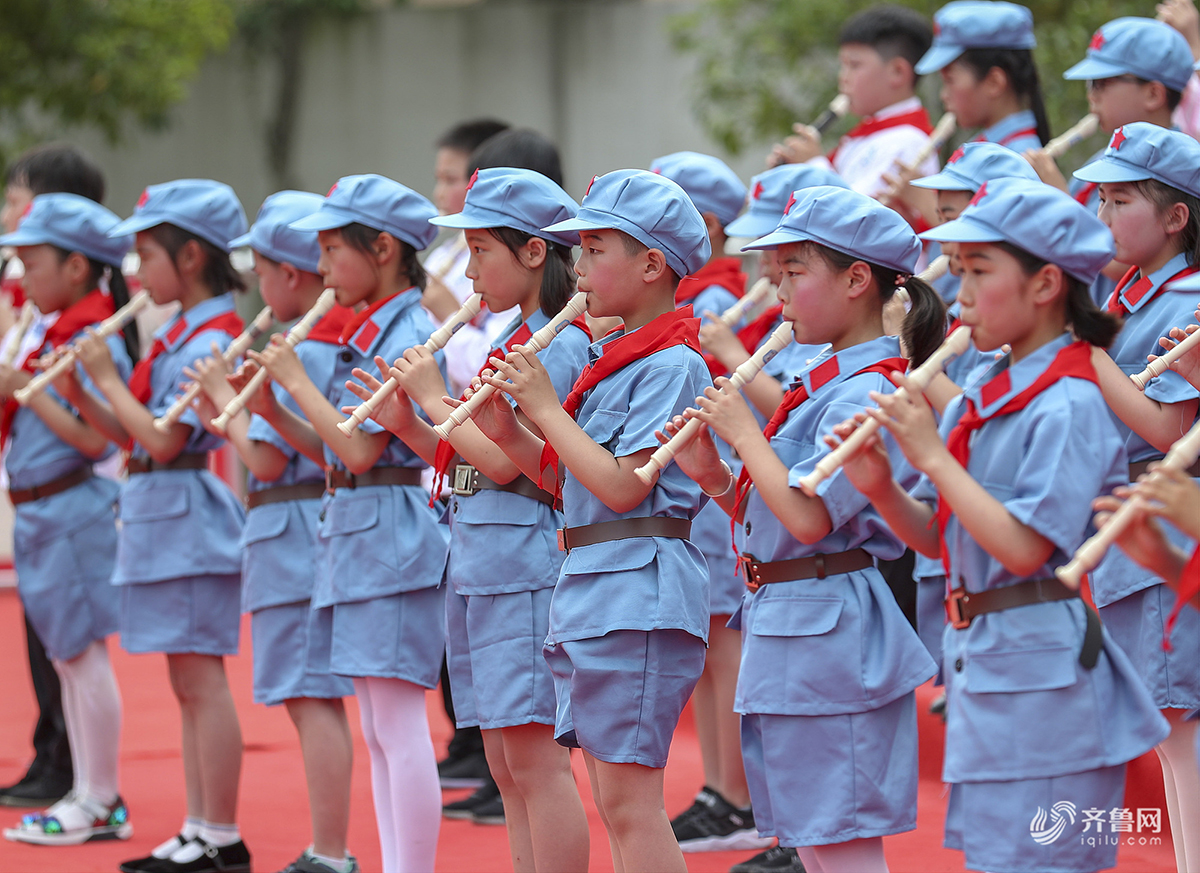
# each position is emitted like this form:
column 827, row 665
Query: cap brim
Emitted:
column 937, row 57
column 578, row 224
column 1092, row 69
column 752, row 225
column 944, row 181
column 136, row 223
column 1108, row 170
column 326, row 218
column 775, row 239
column 239, row 242
column 965, row 230
column 24, row 238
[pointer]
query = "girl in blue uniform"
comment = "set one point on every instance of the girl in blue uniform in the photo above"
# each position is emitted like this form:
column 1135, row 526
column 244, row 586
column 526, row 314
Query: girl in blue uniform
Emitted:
column 279, row 542
column 504, row 559
column 1043, row 708
column 178, row 565
column 829, row 662
column 64, row 538
column 983, row 49
column 381, row 550
column 1149, row 183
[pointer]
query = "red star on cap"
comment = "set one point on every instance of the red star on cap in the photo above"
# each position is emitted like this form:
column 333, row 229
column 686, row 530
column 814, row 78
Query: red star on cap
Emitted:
column 1097, row 42
column 1118, row 138
column 979, row 195
column 790, row 203
column 590, row 184
column 958, row 153
column 142, row 200
column 474, row 176
column 331, row 190
column 937, row 29
column 757, row 191
column 28, row 209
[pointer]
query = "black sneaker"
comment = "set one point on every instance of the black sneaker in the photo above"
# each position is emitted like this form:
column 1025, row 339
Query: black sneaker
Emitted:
column 468, row 771
column 35, row 790
column 489, row 812
column 234, row 858
column 465, row 808
column 713, row 824
column 776, row 859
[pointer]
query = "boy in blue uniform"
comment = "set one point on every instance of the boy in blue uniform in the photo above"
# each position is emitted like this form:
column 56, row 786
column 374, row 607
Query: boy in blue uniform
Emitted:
column 629, row 616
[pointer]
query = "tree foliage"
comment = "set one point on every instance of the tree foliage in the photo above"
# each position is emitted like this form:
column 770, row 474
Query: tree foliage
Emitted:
column 764, row 64
column 98, row 62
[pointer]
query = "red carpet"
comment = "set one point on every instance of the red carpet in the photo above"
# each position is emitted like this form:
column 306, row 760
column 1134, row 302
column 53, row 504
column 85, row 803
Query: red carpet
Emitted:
column 274, row 806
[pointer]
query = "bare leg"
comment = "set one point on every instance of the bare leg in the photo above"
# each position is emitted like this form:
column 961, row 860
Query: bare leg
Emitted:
column 597, row 798
column 855, row 856
column 540, row 770
column 516, row 817
column 723, row 659
column 633, row 804
column 202, row 689
column 328, row 754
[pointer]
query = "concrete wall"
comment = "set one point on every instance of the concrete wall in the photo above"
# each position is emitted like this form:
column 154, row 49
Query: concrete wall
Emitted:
column 600, row 78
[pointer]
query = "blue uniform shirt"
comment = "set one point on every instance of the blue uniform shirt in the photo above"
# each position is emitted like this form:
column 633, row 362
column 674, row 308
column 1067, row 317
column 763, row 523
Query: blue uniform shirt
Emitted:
column 642, row 583
column 502, row 542
column 1017, row 132
column 379, row 540
column 180, row 523
column 716, row 298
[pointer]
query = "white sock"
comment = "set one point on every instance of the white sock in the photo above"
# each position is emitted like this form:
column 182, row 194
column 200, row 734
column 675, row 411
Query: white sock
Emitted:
column 220, row 835
column 189, row 831
column 401, row 731
column 342, row 864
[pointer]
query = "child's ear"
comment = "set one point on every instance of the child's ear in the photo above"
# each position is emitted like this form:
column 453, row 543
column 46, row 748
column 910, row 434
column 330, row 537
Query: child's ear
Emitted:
column 656, row 266
column 533, row 254
column 858, row 277
column 386, row 248
column 1154, row 96
column 1049, row 284
column 189, row 260
column 1175, row 217
column 900, row 73
column 291, row 275
column 995, row 82
column 78, row 268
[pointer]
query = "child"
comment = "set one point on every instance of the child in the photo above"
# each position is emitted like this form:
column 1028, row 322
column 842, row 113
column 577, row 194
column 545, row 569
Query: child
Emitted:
column 64, row 537
column 178, row 564
column 1044, row 710
column 382, row 551
column 983, row 50
column 46, row 169
column 504, row 558
column 829, row 662
column 877, row 52
column 629, row 614
column 1149, row 183
column 279, row 542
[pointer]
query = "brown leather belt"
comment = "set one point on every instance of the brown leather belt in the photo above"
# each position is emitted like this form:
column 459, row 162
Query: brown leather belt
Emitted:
column 1137, row 468
column 284, row 493
column 335, row 479
column 189, row 461
column 54, row 486
column 759, row 574
column 622, row 529
column 962, row 606
column 468, row 481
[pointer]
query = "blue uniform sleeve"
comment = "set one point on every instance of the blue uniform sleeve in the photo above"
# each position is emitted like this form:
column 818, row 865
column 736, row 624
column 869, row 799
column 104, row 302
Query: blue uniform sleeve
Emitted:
column 665, row 388
column 715, row 298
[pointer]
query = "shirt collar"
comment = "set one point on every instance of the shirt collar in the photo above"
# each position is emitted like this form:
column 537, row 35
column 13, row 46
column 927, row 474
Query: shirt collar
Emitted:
column 909, row 104
column 829, row 368
column 1003, row 380
column 177, row 330
column 1162, row 274
column 1018, row 121
column 596, row 349
column 366, row 338
column 536, row 321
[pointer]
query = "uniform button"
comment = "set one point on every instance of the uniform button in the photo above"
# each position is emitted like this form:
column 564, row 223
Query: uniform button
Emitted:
column 958, row 665
column 454, row 507
column 747, row 528
column 346, row 357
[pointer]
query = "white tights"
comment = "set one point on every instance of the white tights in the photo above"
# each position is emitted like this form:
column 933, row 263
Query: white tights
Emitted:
column 404, row 780
column 1181, row 778
column 92, row 713
column 855, row 856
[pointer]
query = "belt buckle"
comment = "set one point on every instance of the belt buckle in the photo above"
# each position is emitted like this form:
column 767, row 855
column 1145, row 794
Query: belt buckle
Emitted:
column 746, row 564
column 329, row 489
column 562, row 540
column 954, row 608
column 464, row 481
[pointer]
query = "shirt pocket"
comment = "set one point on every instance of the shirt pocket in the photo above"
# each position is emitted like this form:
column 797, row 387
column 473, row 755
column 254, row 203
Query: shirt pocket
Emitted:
column 604, row 426
column 157, row 539
column 350, row 516
column 611, row 557
column 154, row 504
column 262, row 526
column 796, row 616
column 495, row 507
column 1015, row 670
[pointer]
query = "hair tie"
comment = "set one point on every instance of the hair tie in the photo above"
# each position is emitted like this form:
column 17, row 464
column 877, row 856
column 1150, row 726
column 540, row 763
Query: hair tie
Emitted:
column 902, row 278
column 105, row 278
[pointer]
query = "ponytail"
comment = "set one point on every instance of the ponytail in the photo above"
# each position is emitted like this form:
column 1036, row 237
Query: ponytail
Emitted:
column 558, row 273
column 1018, row 66
column 118, row 289
column 1087, row 321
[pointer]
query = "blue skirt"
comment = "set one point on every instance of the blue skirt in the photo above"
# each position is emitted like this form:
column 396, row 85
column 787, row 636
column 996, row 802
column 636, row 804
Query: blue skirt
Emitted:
column 1136, row 624
column 620, row 695
column 198, row 615
column 1036, row 824
column 400, row 636
column 494, row 656
column 291, row 654
column 817, row 780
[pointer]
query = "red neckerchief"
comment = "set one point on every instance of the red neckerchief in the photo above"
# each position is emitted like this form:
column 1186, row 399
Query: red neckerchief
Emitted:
column 726, row 272
column 673, row 328
column 360, row 318
column 1189, row 587
column 917, row 118
column 92, row 308
column 1135, row 294
column 756, row 331
column 139, row 382
column 1073, row 361
column 329, row 328
column 820, row 375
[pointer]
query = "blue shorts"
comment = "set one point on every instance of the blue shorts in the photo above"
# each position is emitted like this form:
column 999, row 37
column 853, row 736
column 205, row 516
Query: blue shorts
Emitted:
column 620, row 695
column 1136, row 625
column 494, row 655
column 291, row 654
column 820, row 779
column 197, row 615
column 400, row 636
column 1036, row 824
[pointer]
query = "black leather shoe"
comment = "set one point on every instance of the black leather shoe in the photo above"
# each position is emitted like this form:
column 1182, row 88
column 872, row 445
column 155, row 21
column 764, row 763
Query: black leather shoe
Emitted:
column 35, row 790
